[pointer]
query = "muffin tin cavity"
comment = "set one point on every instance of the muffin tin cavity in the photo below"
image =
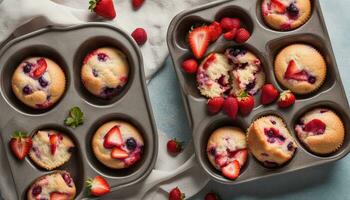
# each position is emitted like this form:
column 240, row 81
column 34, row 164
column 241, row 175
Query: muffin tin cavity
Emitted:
column 116, row 173
column 12, row 63
column 87, row 47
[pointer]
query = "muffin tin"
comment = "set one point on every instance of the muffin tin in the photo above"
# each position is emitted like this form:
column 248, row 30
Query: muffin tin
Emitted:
column 68, row 47
column 265, row 43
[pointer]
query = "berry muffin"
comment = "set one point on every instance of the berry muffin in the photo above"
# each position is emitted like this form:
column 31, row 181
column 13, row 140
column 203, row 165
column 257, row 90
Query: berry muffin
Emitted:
column 285, row 15
column 270, row 141
column 38, row 82
column 212, row 75
column 105, row 72
column 57, row 185
column 247, row 73
column 226, row 145
column 51, row 149
column 300, row 68
column 321, row 131
column 117, row 144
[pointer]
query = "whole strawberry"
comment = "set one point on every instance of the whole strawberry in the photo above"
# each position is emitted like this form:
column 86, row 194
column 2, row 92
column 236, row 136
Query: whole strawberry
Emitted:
column 215, row 104
column 242, row 35
column 136, row 4
column 231, row 107
column 140, row 36
column 286, row 99
column 211, row 196
column 190, row 66
column 104, row 8
column 269, row 94
column 174, row 146
column 20, row 144
column 245, row 103
column 176, row 194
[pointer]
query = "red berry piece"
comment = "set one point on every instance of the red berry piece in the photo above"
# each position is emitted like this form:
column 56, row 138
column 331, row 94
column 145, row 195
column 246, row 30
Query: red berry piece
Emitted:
column 199, row 39
column 176, row 194
column 245, row 103
column 98, row 186
column 136, row 4
column 227, row 24
column 269, row 94
column 190, row 66
column 231, row 34
column 286, row 99
column 231, row 171
column 174, row 146
column 215, row 104
column 215, row 31
column 104, row 8
column 231, row 107
column 242, row 35
column 140, row 36
column 211, row 196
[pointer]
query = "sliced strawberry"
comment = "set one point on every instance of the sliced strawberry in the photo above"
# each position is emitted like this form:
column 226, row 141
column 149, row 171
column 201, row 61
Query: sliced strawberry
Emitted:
column 20, row 144
column 59, row 196
column 231, row 171
column 269, row 94
column 279, row 6
column 98, row 186
column 221, row 160
column 215, row 31
column 113, row 138
column 119, row 153
column 231, row 107
column 230, row 35
column 293, row 73
column 241, row 156
column 41, row 68
column 315, row 126
column 215, row 104
column 286, row 99
column 245, row 103
column 199, row 39
column 54, row 140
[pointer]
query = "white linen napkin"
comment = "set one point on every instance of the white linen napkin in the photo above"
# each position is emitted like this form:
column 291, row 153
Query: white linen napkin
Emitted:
column 154, row 16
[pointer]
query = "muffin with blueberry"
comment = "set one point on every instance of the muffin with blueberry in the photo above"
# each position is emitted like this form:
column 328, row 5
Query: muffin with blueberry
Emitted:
column 57, row 185
column 270, row 141
column 285, row 15
column 105, row 72
column 321, row 130
column 117, row 144
column 38, row 82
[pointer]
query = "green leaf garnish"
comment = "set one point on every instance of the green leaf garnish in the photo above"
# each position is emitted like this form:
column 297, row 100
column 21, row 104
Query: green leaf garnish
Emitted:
column 75, row 118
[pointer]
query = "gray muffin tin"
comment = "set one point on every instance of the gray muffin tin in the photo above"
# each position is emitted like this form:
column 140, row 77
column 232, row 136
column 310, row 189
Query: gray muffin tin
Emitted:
column 68, row 46
column 265, row 43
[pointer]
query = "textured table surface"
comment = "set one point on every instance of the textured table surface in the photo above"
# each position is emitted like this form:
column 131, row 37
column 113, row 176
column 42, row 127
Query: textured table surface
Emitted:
column 324, row 182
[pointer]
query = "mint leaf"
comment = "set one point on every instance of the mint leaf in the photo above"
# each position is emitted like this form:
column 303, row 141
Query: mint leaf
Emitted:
column 75, row 117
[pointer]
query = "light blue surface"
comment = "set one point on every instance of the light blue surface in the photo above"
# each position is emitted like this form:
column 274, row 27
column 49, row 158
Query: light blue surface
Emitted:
column 324, row 182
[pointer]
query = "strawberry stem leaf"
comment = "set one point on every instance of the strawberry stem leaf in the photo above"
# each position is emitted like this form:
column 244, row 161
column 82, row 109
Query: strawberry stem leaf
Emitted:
column 75, row 117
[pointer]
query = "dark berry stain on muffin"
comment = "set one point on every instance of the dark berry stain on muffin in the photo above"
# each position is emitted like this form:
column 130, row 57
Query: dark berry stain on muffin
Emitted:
column 94, row 72
column 273, row 135
column 102, row 57
column 36, row 190
column 293, row 11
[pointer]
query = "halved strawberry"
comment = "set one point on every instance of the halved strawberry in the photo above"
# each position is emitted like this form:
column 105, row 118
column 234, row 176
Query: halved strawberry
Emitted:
column 241, row 156
column 230, row 35
column 199, row 39
column 113, row 138
column 59, row 196
column 279, row 6
column 231, row 107
column 20, row 144
column 54, row 140
column 40, row 70
column 215, row 104
column 119, row 153
column 231, row 171
column 315, row 126
column 286, row 99
column 215, row 31
column 293, row 73
column 221, row 160
column 98, row 186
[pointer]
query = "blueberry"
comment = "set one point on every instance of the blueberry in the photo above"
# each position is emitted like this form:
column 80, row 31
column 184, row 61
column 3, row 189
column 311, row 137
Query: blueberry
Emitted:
column 273, row 122
column 292, row 10
column 312, row 79
column 110, row 92
column 131, row 143
column 27, row 67
column 43, row 82
column 27, row 90
column 36, row 190
column 212, row 151
column 290, row 146
column 270, row 164
column 270, row 133
column 102, row 57
column 94, row 72
column 250, row 86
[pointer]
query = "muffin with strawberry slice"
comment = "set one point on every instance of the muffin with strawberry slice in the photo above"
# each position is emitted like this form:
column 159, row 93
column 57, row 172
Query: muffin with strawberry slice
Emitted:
column 285, row 14
column 321, row 130
column 57, row 185
column 38, row 82
column 300, row 68
column 247, row 73
column 227, row 151
column 51, row 149
column 270, row 141
column 213, row 75
column 117, row 144
column 105, row 72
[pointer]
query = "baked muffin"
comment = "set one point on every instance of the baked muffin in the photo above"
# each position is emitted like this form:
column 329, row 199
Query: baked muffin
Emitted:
column 105, row 72
column 57, row 185
column 321, row 131
column 247, row 73
column 38, row 82
column 285, row 14
column 225, row 145
column 117, row 144
column 51, row 149
column 300, row 68
column 212, row 75
column 270, row 141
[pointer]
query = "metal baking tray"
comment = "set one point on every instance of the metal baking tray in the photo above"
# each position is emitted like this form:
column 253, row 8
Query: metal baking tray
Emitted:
column 68, row 46
column 265, row 43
